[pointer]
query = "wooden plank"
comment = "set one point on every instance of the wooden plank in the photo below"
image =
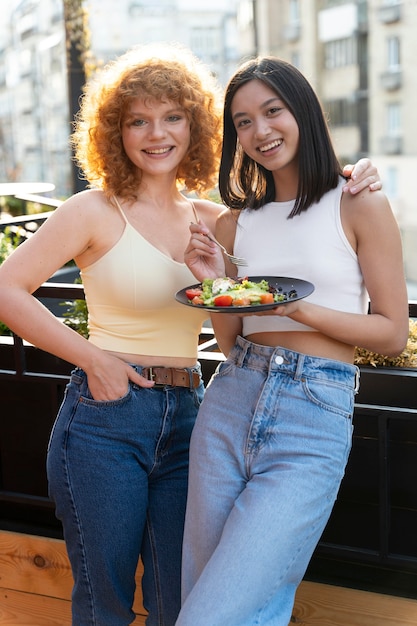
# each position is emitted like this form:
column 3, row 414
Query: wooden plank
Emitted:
column 327, row 605
column 40, row 565
column 35, row 565
column 26, row 609
column 36, row 583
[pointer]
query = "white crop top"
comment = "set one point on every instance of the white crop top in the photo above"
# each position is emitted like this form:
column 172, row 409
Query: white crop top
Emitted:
column 311, row 246
column 130, row 299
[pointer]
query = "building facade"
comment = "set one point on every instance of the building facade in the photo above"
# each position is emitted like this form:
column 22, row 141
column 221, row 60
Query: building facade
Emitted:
column 34, row 122
column 359, row 56
column 34, row 100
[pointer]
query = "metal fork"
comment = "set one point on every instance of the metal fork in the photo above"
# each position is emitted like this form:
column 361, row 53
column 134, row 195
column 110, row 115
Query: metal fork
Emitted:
column 236, row 260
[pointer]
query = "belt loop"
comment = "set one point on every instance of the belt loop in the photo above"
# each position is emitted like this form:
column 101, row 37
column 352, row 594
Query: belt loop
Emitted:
column 357, row 380
column 242, row 345
column 298, row 375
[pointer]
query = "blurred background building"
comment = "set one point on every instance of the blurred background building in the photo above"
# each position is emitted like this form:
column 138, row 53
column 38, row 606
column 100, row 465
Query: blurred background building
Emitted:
column 358, row 54
column 34, row 100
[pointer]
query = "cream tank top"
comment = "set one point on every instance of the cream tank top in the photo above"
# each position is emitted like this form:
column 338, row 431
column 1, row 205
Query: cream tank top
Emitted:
column 311, row 246
column 130, row 299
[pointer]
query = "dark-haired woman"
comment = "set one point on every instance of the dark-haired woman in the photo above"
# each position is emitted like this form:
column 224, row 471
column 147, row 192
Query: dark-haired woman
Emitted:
column 273, row 433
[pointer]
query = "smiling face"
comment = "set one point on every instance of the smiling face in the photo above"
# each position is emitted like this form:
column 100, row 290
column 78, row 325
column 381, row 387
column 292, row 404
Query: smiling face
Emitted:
column 156, row 135
column 266, row 129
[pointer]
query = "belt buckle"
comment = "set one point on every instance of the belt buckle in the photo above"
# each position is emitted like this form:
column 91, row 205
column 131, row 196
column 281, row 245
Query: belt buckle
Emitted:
column 151, row 376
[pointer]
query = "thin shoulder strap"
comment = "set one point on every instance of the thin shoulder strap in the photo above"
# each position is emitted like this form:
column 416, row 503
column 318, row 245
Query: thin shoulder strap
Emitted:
column 120, row 209
column 195, row 212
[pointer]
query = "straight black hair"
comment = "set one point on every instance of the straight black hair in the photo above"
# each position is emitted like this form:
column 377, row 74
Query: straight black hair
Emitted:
column 242, row 181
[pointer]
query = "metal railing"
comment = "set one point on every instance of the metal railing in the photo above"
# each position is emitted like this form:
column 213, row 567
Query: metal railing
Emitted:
column 31, row 390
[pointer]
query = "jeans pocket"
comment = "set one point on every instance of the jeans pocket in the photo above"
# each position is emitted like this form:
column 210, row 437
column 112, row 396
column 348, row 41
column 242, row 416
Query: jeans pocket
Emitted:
column 331, row 396
column 198, row 395
column 223, row 368
column 87, row 398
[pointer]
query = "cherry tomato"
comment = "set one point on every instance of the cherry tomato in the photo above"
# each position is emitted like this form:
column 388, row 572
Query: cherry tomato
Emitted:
column 223, row 300
column 267, row 298
column 242, row 301
column 191, row 293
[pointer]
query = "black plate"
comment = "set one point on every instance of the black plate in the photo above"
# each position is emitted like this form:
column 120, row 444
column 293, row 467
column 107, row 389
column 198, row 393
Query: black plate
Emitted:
column 282, row 284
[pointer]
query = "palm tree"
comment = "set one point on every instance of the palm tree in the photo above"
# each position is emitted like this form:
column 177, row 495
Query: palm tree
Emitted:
column 78, row 47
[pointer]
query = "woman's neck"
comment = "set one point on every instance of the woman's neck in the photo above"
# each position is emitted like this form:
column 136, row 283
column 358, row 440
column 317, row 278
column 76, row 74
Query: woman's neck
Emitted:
column 286, row 184
column 161, row 192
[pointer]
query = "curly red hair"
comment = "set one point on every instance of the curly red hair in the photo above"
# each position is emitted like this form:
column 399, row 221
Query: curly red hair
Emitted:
column 161, row 72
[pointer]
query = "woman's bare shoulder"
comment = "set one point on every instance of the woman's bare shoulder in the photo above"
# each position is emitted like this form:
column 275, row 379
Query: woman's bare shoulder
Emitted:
column 208, row 211
column 367, row 209
column 89, row 199
column 89, row 207
column 365, row 201
column 87, row 214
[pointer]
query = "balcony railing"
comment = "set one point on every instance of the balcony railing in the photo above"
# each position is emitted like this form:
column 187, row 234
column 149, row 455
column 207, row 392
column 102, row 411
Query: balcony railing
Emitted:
column 391, row 144
column 391, row 80
column 371, row 532
column 389, row 13
column 292, row 31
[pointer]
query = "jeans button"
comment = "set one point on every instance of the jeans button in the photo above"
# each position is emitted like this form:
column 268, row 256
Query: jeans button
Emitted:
column 279, row 360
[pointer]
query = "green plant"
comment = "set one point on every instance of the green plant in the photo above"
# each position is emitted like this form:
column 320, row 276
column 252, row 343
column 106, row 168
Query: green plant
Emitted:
column 9, row 240
column 408, row 358
column 76, row 317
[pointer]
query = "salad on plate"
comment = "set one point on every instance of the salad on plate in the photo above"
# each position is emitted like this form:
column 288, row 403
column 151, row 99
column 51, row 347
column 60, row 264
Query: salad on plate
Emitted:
column 237, row 292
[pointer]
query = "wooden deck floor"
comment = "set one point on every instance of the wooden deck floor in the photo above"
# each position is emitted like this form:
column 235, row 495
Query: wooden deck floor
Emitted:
column 36, row 581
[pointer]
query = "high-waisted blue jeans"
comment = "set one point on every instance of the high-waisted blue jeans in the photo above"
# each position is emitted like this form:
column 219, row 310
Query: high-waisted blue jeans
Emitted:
column 118, row 474
column 268, row 453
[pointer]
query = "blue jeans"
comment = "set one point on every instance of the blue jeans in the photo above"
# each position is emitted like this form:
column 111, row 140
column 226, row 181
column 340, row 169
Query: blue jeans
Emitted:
column 268, row 453
column 118, row 474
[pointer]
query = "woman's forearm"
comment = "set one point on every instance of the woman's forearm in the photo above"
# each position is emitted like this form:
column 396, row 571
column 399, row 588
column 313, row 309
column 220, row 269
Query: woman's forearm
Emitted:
column 32, row 321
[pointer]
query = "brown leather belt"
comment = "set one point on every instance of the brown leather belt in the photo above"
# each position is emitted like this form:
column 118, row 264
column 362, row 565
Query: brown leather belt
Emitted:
column 172, row 376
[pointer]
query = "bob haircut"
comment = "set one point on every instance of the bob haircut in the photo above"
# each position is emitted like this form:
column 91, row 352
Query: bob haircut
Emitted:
column 159, row 72
column 243, row 183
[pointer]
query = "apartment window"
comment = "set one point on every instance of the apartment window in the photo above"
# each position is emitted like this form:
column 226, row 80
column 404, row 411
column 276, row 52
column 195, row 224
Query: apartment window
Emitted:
column 328, row 4
column 205, row 43
column 341, row 112
column 391, row 182
column 2, row 75
column 296, row 59
column 389, row 12
column 57, row 11
column 340, row 53
column 393, row 53
column 245, row 14
column 26, row 23
column 294, row 11
column 394, row 119
column 25, row 62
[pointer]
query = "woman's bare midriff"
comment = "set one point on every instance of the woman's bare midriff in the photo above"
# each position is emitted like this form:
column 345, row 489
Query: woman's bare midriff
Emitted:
column 313, row 343
column 153, row 361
